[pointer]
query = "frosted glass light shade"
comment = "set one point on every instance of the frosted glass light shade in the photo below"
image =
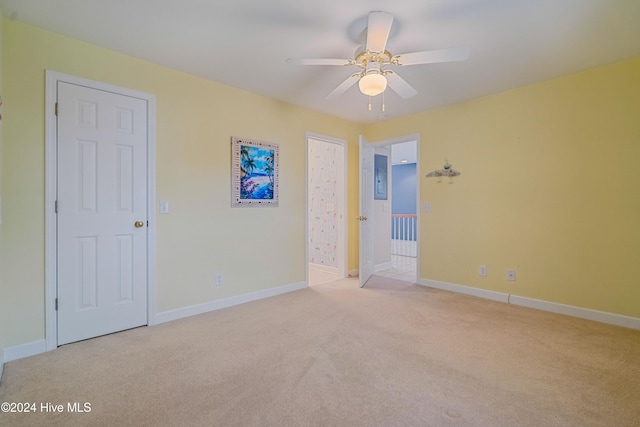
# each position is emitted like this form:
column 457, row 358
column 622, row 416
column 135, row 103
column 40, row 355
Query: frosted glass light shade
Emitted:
column 372, row 84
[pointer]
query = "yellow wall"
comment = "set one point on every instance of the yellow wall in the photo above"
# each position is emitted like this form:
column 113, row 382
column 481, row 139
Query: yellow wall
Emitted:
column 254, row 249
column 549, row 186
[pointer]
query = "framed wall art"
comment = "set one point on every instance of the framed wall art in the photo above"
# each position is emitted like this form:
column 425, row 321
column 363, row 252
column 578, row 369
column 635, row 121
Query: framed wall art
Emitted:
column 254, row 173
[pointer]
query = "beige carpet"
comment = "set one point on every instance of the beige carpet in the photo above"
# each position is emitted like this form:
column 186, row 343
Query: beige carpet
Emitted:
column 391, row 354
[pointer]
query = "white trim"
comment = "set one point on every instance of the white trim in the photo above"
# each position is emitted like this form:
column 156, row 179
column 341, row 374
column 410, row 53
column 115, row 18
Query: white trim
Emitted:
column 467, row 290
column 354, row 273
column 553, row 307
column 1, row 364
column 418, row 206
column 180, row 313
column 582, row 313
column 24, row 350
column 50, row 233
column 52, row 78
column 151, row 209
column 324, row 268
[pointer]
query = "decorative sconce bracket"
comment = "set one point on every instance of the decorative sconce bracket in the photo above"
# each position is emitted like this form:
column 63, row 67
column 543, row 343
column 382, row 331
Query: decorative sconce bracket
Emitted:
column 445, row 171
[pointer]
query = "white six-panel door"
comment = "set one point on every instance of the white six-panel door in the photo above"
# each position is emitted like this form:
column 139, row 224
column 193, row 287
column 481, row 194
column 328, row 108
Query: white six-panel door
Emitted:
column 101, row 212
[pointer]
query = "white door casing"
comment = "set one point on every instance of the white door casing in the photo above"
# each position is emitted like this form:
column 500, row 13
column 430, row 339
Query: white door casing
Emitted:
column 389, row 142
column 366, row 266
column 101, row 177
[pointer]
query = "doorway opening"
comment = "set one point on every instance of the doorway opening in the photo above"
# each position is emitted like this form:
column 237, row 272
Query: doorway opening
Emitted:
column 395, row 219
column 75, row 286
column 326, row 207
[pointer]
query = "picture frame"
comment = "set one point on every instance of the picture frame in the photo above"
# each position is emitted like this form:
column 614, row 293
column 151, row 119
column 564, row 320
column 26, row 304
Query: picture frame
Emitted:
column 254, row 173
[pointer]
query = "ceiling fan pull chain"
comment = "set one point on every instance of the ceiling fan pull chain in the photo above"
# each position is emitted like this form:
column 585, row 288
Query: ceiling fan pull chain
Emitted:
column 369, row 103
column 382, row 102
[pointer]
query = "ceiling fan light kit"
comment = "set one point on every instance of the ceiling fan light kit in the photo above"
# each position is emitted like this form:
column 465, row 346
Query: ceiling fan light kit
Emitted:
column 375, row 61
column 372, row 83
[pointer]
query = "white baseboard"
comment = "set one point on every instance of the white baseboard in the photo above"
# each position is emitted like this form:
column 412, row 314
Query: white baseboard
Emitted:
column 193, row 310
column 382, row 266
column 354, row 273
column 468, row 290
column 324, row 268
column 583, row 313
column 1, row 364
column 553, row 307
column 24, row 350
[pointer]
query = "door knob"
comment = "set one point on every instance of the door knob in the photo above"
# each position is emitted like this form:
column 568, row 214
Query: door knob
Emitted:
column 139, row 224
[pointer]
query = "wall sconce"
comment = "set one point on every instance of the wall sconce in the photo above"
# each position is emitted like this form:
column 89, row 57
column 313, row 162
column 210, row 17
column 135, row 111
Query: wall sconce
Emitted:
column 445, row 171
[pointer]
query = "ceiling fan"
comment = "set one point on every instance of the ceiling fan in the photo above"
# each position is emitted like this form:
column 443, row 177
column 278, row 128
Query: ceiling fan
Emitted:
column 376, row 62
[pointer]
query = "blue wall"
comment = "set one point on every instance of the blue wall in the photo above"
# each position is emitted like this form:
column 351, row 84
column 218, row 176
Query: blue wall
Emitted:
column 403, row 199
column 403, row 193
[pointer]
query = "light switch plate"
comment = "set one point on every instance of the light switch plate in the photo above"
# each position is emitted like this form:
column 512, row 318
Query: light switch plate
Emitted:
column 164, row 206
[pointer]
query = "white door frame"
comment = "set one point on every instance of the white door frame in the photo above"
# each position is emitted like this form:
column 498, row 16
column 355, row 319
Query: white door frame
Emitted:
column 342, row 263
column 399, row 140
column 51, row 273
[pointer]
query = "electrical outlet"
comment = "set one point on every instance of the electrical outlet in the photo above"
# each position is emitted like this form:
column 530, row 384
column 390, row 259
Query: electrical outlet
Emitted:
column 511, row 274
column 218, row 279
column 483, row 270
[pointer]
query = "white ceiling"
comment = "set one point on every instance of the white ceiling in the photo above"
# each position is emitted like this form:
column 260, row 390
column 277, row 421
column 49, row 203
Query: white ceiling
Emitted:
column 244, row 43
column 404, row 151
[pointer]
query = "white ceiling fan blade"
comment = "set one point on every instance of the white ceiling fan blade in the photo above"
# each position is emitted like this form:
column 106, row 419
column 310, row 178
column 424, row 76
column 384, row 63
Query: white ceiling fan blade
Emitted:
column 327, row 61
column 434, row 56
column 400, row 85
column 342, row 88
column 378, row 31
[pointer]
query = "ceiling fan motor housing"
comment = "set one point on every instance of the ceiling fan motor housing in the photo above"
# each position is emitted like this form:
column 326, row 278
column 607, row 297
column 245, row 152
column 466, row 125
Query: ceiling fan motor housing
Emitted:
column 366, row 57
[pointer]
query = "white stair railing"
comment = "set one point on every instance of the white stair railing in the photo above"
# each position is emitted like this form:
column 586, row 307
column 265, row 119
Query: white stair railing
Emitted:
column 404, row 234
